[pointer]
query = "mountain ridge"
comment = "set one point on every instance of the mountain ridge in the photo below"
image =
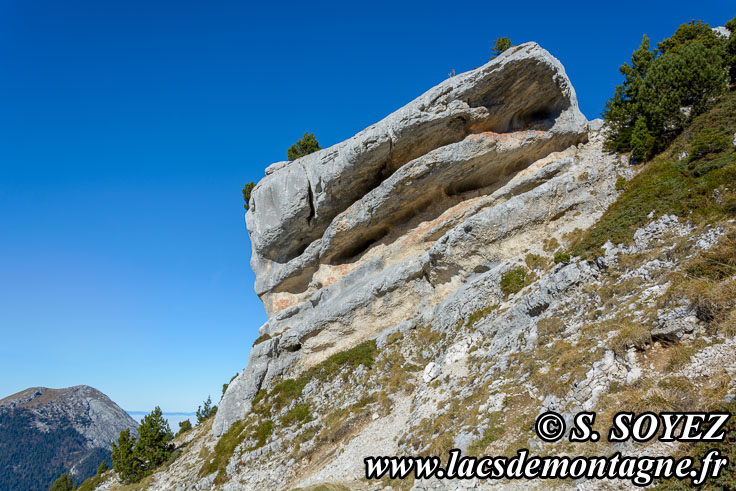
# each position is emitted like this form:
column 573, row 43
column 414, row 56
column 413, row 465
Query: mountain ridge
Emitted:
column 68, row 429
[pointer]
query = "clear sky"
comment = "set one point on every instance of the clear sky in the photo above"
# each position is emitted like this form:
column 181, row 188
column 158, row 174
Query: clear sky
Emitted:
column 127, row 129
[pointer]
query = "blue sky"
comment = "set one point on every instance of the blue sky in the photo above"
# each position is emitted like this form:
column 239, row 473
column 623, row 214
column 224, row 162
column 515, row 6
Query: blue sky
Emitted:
column 127, row 129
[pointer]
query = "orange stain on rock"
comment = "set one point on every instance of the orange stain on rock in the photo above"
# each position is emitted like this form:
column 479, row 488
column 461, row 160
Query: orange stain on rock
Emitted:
column 281, row 304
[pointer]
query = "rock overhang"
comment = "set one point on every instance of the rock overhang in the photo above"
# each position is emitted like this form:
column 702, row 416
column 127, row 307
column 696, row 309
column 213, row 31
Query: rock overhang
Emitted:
column 299, row 204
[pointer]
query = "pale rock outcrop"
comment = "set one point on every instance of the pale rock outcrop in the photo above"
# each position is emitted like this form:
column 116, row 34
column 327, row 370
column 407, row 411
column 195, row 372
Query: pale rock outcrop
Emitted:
column 435, row 198
column 293, row 206
column 722, row 31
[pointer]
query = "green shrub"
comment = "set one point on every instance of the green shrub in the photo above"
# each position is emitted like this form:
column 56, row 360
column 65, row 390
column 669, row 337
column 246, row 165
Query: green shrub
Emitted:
column 535, row 261
column 707, row 143
column 91, row 483
column 642, row 145
column 304, row 146
column 499, row 46
column 263, row 337
column 224, row 449
column 298, row 414
column 261, row 433
column 668, row 185
column 247, row 190
column 184, row 426
column 205, row 411
column 288, row 390
column 513, row 281
column 562, row 257
column 687, row 71
column 63, row 483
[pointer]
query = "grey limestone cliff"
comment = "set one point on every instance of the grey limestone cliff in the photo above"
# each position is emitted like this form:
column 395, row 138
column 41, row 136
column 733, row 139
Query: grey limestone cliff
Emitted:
column 354, row 238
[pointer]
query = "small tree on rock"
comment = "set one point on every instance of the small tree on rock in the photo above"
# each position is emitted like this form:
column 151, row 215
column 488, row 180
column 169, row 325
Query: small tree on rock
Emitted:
column 304, row 146
column 205, row 412
column 247, row 189
column 499, row 46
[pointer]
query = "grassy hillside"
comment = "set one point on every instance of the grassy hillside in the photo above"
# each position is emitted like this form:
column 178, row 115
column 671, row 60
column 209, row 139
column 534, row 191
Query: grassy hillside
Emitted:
column 694, row 178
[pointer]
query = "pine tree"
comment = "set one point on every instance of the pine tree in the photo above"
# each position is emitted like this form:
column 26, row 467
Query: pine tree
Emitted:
column 102, row 468
column 692, row 31
column 663, row 90
column 304, row 146
column 642, row 141
column 624, row 108
column 680, row 86
column 731, row 50
column 154, row 445
column 205, row 412
column 247, row 189
column 499, row 46
column 124, row 460
column 63, row 483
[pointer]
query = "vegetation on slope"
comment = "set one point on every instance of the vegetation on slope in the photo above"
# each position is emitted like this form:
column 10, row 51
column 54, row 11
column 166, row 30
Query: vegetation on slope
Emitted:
column 675, row 98
column 664, row 89
column 134, row 459
column 267, row 407
column 42, row 457
column 695, row 177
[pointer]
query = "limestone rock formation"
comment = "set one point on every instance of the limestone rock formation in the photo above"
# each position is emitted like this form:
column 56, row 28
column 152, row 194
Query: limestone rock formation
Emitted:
column 354, row 238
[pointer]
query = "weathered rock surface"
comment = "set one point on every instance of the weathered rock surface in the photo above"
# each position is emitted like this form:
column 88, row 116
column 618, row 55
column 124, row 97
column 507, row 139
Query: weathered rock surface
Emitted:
column 363, row 235
column 318, row 195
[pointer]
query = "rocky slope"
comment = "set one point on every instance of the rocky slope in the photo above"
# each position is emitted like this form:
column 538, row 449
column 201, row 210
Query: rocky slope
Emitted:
column 422, row 296
column 48, row 431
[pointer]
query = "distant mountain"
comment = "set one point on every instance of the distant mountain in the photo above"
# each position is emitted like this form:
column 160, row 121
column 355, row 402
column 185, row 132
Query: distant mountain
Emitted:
column 45, row 432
